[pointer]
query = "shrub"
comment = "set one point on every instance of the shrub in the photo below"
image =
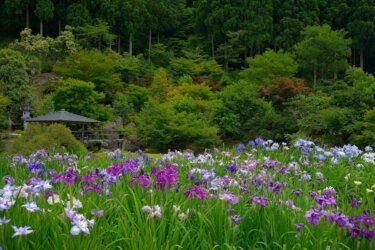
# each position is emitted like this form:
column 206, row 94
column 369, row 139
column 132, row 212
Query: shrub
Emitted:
column 55, row 137
column 80, row 97
column 160, row 128
column 364, row 131
column 266, row 68
column 282, row 90
column 93, row 66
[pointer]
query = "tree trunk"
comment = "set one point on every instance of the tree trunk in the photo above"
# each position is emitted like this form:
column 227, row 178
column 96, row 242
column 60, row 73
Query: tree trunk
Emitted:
column 335, row 76
column 213, row 46
column 226, row 58
column 27, row 16
column 131, row 45
column 354, row 57
column 41, row 27
column 158, row 37
column 149, row 43
column 59, row 27
column 315, row 75
column 361, row 59
column 119, row 44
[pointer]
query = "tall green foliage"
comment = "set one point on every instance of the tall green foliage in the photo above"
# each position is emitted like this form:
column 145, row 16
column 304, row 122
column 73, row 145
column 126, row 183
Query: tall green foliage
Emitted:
column 44, row 11
column 160, row 128
column 81, row 98
column 266, row 68
column 93, row 66
column 14, row 82
column 323, row 51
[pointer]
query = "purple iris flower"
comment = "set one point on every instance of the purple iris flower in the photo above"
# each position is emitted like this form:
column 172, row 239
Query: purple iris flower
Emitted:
column 190, row 176
column 231, row 168
column 240, row 147
column 340, row 219
column 165, row 177
column 260, row 142
column 305, row 150
column 8, row 179
column 313, row 216
column 259, row 200
column 89, row 177
column 196, row 191
column 98, row 213
column 313, row 194
column 299, row 226
column 142, row 180
column 283, row 170
column 34, row 166
column 228, row 196
column 319, row 176
column 236, row 219
column 297, row 192
column 93, row 187
column 355, row 203
column 275, row 187
column 270, row 164
column 131, row 166
column 329, row 191
column 251, row 143
column 70, row 176
column 116, row 169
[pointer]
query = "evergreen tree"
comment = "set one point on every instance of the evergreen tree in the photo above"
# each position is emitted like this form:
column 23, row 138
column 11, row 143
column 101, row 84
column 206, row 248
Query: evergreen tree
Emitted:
column 362, row 27
column 323, row 50
column 44, row 11
column 292, row 16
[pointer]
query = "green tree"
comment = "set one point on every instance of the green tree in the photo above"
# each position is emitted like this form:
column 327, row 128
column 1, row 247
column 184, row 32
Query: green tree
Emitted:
column 4, row 102
column 81, row 98
column 77, row 14
column 290, row 18
column 258, row 23
column 323, row 50
column 238, row 111
column 14, row 82
column 363, row 132
column 160, row 85
column 266, row 68
column 362, row 27
column 44, row 11
column 122, row 107
column 93, row 66
column 20, row 6
column 160, row 129
column 97, row 35
column 135, row 11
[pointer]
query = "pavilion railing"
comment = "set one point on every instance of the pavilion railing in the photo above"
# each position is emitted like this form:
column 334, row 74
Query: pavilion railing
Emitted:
column 97, row 135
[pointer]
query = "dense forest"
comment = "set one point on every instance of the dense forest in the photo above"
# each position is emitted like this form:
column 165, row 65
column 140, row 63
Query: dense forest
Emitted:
column 193, row 74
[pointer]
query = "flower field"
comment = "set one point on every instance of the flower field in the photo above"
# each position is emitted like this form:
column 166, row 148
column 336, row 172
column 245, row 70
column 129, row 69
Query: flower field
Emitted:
column 262, row 195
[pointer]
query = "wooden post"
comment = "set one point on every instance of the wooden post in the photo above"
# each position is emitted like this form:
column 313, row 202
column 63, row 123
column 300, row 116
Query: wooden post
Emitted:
column 83, row 133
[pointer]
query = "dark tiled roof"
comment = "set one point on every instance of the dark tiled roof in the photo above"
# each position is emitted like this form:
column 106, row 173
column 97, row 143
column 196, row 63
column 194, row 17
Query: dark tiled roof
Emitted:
column 62, row 116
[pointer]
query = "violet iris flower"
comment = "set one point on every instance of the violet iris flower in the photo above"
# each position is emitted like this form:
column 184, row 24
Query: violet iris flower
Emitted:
column 196, row 191
column 299, row 226
column 259, row 200
column 165, row 177
column 142, row 180
column 313, row 216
